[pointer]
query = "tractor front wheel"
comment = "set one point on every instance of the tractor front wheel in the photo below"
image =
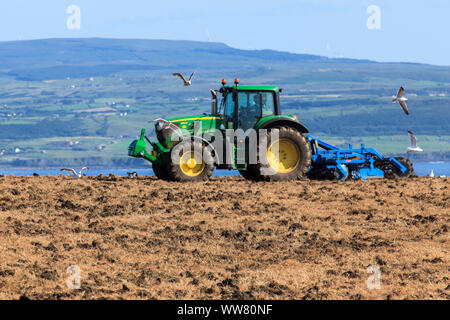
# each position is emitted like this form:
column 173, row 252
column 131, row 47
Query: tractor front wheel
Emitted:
column 160, row 171
column 190, row 161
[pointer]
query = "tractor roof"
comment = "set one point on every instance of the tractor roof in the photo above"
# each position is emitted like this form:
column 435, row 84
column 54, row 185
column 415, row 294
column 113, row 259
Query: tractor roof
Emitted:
column 256, row 88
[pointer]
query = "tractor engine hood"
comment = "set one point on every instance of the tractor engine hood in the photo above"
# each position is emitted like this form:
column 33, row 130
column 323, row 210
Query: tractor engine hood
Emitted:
column 181, row 121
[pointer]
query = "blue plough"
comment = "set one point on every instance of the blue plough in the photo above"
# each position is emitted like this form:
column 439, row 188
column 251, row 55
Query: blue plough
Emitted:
column 330, row 162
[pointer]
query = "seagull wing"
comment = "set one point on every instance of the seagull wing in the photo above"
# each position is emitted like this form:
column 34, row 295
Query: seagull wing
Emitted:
column 404, row 107
column 400, row 92
column 179, row 75
column 84, row 169
column 190, row 78
column 70, row 170
column 413, row 139
column 213, row 93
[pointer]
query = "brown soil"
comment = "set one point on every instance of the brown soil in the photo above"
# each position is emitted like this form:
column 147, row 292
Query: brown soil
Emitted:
column 224, row 239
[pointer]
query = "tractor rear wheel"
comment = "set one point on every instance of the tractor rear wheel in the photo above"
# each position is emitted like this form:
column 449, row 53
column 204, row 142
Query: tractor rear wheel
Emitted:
column 190, row 161
column 286, row 158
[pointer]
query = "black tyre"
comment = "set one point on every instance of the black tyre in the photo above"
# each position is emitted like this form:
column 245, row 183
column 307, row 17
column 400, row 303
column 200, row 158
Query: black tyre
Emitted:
column 250, row 173
column 160, row 171
column 391, row 171
column 409, row 168
column 320, row 172
column 291, row 162
column 190, row 161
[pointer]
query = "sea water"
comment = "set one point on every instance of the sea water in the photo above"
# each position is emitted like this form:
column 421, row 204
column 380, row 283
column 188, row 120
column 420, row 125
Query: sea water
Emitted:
column 441, row 168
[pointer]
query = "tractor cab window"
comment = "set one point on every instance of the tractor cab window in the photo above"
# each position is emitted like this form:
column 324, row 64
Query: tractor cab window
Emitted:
column 229, row 106
column 268, row 104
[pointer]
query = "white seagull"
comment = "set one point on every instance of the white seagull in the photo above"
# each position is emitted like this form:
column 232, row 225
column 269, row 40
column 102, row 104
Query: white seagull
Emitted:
column 431, row 175
column 186, row 83
column 401, row 99
column 413, row 148
column 74, row 173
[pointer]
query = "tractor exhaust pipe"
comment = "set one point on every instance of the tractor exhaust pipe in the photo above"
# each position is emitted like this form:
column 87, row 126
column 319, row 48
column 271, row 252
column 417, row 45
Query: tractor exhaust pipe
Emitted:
column 214, row 102
column 214, row 107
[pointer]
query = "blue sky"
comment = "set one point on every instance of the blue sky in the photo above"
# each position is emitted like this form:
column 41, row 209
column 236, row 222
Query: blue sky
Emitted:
column 412, row 31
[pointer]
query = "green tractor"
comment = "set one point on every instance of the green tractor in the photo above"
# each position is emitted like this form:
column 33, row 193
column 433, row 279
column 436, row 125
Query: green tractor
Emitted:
column 201, row 143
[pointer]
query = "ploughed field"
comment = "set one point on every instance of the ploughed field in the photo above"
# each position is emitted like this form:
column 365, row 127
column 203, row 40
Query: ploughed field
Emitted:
column 228, row 238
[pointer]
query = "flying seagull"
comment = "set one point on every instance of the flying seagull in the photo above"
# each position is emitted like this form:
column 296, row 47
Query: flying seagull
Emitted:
column 74, row 173
column 413, row 148
column 186, row 83
column 401, row 99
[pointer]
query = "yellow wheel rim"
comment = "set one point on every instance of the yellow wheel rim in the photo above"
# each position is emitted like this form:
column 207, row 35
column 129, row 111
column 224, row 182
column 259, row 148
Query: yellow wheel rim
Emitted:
column 192, row 164
column 287, row 158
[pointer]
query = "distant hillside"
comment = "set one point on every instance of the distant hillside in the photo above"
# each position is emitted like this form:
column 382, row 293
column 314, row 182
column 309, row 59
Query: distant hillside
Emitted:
column 74, row 58
column 62, row 58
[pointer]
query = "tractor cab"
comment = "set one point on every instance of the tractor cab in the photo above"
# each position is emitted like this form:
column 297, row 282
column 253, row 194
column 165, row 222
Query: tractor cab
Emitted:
column 242, row 107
